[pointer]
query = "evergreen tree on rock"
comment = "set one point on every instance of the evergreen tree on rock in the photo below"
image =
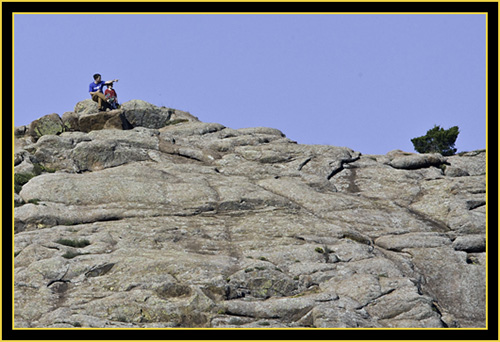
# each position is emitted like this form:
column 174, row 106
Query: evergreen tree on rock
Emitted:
column 437, row 140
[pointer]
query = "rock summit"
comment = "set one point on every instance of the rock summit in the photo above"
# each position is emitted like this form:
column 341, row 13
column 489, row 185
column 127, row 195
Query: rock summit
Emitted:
column 146, row 217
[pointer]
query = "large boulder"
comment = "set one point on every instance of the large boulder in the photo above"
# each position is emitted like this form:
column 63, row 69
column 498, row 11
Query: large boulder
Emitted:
column 48, row 124
column 133, row 113
column 466, row 164
column 86, row 106
column 458, row 283
column 144, row 114
column 70, row 122
column 78, row 151
column 410, row 161
column 114, row 119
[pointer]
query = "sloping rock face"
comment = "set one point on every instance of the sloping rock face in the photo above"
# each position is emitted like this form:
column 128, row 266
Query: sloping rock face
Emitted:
column 194, row 224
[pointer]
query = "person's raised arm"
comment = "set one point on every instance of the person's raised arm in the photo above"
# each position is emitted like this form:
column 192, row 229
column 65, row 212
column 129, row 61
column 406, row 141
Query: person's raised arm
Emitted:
column 112, row 81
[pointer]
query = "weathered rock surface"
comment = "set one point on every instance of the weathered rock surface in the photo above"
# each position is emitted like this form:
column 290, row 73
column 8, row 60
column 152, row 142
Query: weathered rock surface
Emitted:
column 147, row 217
column 48, row 124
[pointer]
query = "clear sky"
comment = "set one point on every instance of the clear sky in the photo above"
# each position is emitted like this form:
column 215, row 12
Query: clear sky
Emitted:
column 368, row 82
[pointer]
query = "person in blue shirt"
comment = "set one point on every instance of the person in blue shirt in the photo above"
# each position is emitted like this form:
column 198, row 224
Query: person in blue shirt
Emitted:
column 96, row 93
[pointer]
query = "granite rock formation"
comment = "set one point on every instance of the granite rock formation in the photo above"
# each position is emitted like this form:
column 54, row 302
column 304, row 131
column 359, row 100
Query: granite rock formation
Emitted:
column 147, row 217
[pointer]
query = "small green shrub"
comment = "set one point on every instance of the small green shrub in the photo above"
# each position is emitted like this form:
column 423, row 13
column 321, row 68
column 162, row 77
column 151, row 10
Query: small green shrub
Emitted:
column 39, row 169
column 74, row 243
column 18, row 204
column 20, row 179
column 319, row 250
column 175, row 122
column 71, row 254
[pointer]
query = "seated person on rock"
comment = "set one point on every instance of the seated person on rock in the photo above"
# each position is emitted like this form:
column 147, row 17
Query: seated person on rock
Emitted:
column 95, row 90
column 111, row 96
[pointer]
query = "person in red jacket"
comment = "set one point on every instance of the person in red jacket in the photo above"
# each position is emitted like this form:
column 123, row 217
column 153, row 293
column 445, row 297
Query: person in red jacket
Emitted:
column 111, row 96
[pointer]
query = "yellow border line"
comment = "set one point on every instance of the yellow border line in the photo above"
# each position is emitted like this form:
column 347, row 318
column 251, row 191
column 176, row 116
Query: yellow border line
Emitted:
column 257, row 1
column 249, row 13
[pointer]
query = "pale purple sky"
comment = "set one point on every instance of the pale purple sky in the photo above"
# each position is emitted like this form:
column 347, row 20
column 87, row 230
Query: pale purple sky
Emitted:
column 368, row 82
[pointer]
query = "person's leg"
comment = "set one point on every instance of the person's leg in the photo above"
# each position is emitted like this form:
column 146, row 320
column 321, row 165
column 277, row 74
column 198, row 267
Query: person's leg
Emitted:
column 113, row 103
column 100, row 99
